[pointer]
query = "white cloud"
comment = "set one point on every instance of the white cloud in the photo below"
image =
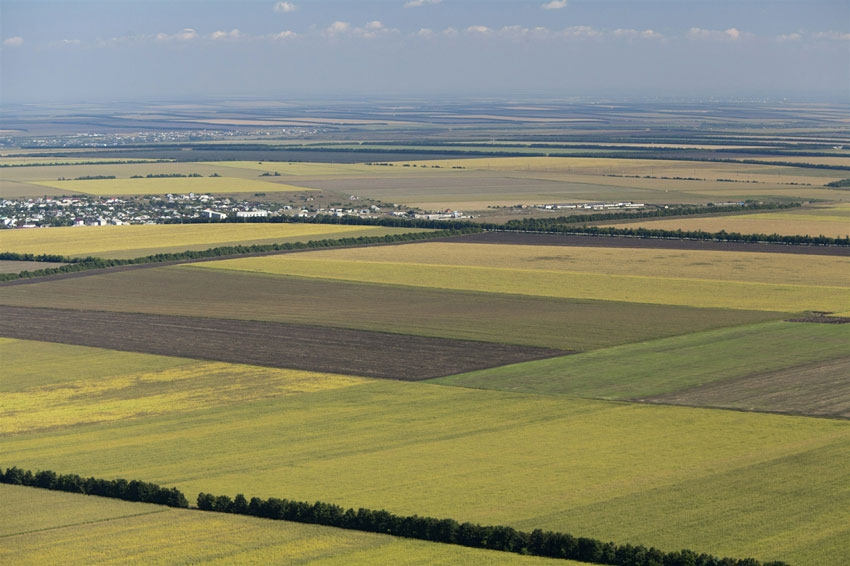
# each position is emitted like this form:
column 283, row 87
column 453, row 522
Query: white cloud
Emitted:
column 790, row 37
column 337, row 28
column 285, row 7
column 479, row 30
column 426, row 33
column 637, row 34
column 554, row 5
column 714, row 35
column 187, row 34
column 284, row 35
column 419, row 3
column 219, row 35
column 450, row 32
column 577, row 32
column 520, row 32
column 370, row 30
column 833, row 35
column 15, row 41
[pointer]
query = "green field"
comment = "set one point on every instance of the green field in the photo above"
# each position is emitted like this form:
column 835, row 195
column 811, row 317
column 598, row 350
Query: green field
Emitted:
column 131, row 241
column 667, row 365
column 482, row 456
column 624, row 440
column 55, row 527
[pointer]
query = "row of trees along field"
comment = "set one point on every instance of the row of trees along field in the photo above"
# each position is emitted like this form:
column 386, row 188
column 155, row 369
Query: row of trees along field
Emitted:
column 87, row 263
column 133, row 490
column 447, row 531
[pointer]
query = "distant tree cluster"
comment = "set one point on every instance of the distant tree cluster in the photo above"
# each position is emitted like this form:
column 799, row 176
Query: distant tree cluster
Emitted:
column 133, row 490
column 166, row 176
column 839, row 184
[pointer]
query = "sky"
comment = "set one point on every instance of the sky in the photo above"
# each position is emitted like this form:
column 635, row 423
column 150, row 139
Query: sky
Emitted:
column 132, row 50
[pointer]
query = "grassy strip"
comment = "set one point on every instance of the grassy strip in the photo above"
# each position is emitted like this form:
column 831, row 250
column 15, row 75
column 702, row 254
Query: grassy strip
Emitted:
column 88, row 263
column 448, row 531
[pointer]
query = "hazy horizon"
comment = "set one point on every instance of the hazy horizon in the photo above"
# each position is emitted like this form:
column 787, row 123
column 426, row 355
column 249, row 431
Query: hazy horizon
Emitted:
column 77, row 51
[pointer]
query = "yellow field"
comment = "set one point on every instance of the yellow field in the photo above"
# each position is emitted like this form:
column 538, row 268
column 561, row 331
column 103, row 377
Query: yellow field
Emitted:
column 300, row 168
column 161, row 186
column 50, row 527
column 653, row 167
column 833, row 222
column 757, row 281
column 63, row 403
column 33, row 161
column 138, row 240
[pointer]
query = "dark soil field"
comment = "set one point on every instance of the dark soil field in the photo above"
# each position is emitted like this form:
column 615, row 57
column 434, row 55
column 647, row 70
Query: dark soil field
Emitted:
column 512, row 319
column 533, row 239
column 820, row 389
column 332, row 350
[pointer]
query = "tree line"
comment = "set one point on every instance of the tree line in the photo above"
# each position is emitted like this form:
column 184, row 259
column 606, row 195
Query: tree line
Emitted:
column 448, row 531
column 73, row 265
column 133, row 490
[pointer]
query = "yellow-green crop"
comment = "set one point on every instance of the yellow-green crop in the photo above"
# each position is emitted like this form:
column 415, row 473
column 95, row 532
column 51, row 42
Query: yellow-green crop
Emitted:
column 700, row 279
column 138, row 240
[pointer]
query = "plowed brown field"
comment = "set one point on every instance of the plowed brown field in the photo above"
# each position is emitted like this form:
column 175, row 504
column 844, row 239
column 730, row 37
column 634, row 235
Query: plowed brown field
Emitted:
column 294, row 346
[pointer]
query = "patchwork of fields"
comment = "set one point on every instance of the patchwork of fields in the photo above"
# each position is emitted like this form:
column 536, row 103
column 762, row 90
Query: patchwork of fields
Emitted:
column 472, row 184
column 528, row 460
column 635, row 392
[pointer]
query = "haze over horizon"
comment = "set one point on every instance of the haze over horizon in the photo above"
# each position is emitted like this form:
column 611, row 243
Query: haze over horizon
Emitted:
column 81, row 50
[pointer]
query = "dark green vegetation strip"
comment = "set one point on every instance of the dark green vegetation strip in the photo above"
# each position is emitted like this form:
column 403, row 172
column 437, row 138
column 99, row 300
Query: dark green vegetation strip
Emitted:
column 89, row 263
column 135, row 490
column 512, row 319
column 446, row 531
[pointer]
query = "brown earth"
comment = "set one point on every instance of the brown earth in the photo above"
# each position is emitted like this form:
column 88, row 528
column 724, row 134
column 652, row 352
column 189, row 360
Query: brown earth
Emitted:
column 293, row 346
column 817, row 389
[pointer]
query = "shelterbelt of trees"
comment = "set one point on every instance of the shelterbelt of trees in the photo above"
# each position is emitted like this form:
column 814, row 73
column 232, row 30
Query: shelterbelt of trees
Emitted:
column 88, row 263
column 448, row 531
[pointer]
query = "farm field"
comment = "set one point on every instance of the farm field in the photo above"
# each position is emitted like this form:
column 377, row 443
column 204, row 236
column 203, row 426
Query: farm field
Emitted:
column 684, row 283
column 115, row 187
column 316, row 348
column 832, row 221
column 468, row 184
column 567, row 324
column 484, row 456
column 669, row 368
column 18, row 266
column 76, row 529
column 131, row 241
